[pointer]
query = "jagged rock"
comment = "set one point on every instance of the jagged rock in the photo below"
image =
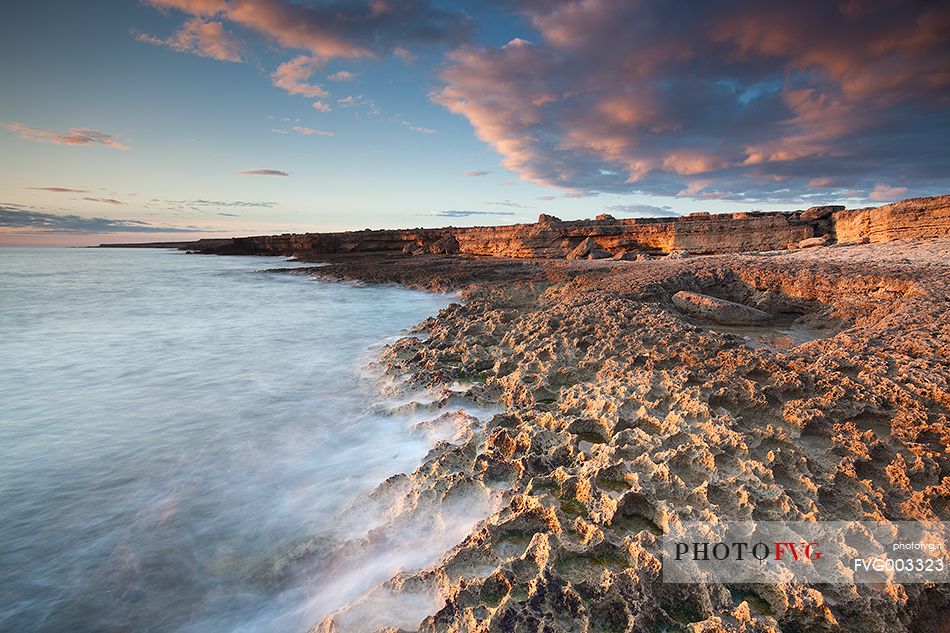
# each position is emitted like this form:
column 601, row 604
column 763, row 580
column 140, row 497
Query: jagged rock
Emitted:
column 588, row 249
column 677, row 254
column 718, row 310
column 606, row 217
column 544, row 218
column 447, row 245
column 621, row 420
column 412, row 249
column 820, row 213
column 627, row 256
column 814, row 241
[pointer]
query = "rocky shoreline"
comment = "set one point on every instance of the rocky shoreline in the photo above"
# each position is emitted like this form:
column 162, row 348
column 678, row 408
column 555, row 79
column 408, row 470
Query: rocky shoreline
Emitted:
column 623, row 414
column 805, row 383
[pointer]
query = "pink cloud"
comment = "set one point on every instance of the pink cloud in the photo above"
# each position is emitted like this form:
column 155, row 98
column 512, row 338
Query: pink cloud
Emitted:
column 194, row 7
column 262, row 172
column 749, row 100
column 308, row 131
column 336, row 30
column 342, row 75
column 75, row 136
column 201, row 37
column 293, row 76
column 885, row 193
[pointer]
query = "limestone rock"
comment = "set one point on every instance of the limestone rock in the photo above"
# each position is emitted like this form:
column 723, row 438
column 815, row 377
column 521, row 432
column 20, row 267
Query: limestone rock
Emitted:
column 718, row 310
column 544, row 218
column 447, row 245
column 814, row 241
column 588, row 249
column 914, row 218
column 678, row 254
column 822, row 212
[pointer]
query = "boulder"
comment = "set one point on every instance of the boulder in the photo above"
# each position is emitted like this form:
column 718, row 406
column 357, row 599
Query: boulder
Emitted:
column 588, row 249
column 678, row 254
column 718, row 310
column 414, row 249
column 544, row 218
column 627, row 256
column 820, row 213
column 814, row 241
column 606, row 217
column 447, row 245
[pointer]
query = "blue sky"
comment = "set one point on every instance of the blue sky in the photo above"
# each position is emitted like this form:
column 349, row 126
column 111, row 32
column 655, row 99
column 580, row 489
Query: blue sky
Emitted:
column 464, row 114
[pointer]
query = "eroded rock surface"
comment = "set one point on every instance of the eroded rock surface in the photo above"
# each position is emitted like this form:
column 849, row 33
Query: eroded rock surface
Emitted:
column 621, row 418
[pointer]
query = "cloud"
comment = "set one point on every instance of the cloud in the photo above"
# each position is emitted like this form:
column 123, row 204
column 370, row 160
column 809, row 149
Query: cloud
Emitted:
column 104, row 200
column 454, row 213
column 59, row 189
column 474, row 173
column 35, row 221
column 884, row 193
column 331, row 30
column 342, row 75
column 230, row 215
column 201, row 204
column 744, row 100
column 321, row 106
column 416, row 128
column 307, row 131
column 509, row 203
column 75, row 136
column 203, row 38
column 353, row 101
column 293, row 76
column 643, row 210
column 263, row 172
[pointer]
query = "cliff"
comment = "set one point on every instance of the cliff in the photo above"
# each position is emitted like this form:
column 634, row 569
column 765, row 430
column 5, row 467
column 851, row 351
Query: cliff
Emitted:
column 697, row 233
column 908, row 219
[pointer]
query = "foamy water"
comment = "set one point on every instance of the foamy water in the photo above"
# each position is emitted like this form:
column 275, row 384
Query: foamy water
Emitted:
column 169, row 424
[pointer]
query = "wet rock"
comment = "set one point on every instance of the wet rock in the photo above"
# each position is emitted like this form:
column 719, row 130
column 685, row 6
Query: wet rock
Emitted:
column 718, row 310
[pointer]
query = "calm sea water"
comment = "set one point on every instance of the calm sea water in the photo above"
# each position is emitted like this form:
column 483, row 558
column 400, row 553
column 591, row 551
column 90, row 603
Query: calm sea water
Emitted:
column 169, row 423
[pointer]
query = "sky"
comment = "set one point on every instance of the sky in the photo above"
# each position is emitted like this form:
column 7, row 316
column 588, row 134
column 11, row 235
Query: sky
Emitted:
column 131, row 121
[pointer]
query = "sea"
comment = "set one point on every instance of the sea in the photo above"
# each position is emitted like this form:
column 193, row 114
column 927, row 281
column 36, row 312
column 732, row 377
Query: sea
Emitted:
column 171, row 424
